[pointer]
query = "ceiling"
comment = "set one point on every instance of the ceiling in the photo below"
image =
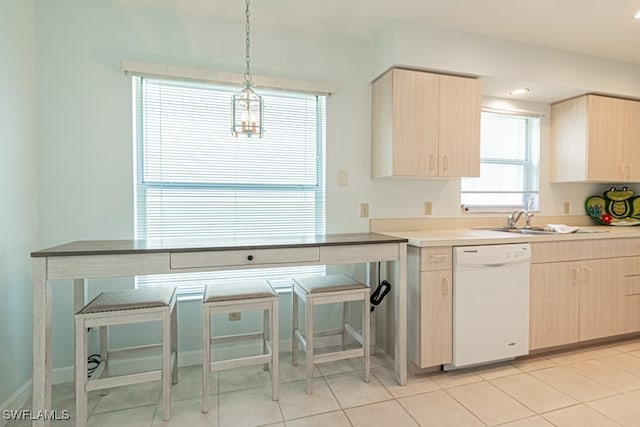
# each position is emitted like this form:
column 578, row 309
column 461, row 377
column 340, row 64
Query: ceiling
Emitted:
column 599, row 28
column 602, row 28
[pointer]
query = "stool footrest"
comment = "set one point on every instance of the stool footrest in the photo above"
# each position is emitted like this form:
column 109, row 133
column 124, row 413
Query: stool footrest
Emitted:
column 237, row 363
column 355, row 334
column 327, row 333
column 233, row 338
column 338, row 355
column 301, row 338
column 120, row 380
column 135, row 351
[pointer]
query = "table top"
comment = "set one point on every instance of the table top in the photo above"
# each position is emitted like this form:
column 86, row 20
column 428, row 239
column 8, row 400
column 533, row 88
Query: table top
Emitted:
column 116, row 247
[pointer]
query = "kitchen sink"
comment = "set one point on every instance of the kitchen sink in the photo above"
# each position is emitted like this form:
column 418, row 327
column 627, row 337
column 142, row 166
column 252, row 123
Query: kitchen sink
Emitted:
column 537, row 230
column 525, row 230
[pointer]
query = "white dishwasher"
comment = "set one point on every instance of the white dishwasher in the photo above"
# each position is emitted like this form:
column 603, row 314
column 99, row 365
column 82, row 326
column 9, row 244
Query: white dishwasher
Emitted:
column 490, row 303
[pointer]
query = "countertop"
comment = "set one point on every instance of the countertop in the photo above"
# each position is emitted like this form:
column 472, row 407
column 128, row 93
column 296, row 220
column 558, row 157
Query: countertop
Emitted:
column 116, row 247
column 472, row 237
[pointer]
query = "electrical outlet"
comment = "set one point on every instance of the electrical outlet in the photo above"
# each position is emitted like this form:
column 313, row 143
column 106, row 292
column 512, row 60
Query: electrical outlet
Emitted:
column 234, row 316
column 343, row 177
column 566, row 207
column 364, row 210
column 427, row 208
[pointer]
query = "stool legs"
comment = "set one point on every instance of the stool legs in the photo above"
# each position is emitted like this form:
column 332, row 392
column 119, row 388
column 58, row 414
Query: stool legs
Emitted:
column 81, row 373
column 275, row 350
column 206, row 358
column 294, row 329
column 167, row 376
column 269, row 335
column 366, row 335
column 345, row 319
column 310, row 345
column 174, row 344
column 307, row 341
column 104, row 354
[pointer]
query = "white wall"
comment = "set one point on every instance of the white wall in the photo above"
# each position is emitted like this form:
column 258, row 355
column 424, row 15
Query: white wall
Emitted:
column 84, row 116
column 18, row 191
column 439, row 49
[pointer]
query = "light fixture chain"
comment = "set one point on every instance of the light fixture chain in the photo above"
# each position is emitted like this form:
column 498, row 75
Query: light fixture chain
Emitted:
column 247, row 73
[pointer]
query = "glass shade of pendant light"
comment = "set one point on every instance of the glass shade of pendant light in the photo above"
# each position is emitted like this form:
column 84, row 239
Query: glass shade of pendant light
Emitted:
column 247, row 104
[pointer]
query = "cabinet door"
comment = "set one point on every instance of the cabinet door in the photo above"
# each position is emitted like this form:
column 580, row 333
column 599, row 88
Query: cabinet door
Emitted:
column 415, row 123
column 553, row 312
column 605, row 135
column 436, row 306
column 602, row 298
column 459, row 126
column 632, row 140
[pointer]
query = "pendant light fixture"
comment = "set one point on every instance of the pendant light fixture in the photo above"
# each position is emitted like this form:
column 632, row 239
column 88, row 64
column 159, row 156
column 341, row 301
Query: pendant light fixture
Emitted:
column 247, row 105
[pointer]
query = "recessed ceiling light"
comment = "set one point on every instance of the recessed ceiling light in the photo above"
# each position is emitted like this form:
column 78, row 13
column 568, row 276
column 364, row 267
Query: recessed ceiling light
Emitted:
column 519, row 91
column 637, row 15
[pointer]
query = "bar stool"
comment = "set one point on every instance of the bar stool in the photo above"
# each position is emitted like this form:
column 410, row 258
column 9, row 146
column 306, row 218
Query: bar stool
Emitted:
column 324, row 290
column 238, row 297
column 119, row 308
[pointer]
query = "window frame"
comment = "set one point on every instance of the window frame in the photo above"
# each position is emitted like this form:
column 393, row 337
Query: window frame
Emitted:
column 530, row 164
column 142, row 185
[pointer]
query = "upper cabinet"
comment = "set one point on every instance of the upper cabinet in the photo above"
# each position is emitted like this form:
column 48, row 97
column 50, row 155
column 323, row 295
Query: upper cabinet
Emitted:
column 425, row 125
column 596, row 139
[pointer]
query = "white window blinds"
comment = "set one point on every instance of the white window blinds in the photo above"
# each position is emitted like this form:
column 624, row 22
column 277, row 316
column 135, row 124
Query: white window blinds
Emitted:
column 194, row 179
column 509, row 150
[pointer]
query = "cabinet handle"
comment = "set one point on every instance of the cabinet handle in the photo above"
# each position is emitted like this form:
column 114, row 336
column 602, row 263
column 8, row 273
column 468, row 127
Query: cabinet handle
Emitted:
column 445, row 163
column 250, row 258
column 431, row 162
column 438, row 255
column 445, row 286
column 575, row 271
column 587, row 274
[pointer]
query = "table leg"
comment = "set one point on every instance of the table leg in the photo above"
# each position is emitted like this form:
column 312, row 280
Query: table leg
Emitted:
column 400, row 301
column 41, row 342
column 372, row 282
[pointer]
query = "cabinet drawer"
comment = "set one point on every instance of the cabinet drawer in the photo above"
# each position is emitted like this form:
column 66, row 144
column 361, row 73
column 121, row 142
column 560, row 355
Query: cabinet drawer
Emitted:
column 632, row 285
column 243, row 257
column 438, row 258
column 542, row 252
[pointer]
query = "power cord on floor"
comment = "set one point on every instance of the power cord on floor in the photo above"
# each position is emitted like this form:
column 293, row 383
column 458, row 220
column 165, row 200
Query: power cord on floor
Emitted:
column 93, row 362
column 381, row 291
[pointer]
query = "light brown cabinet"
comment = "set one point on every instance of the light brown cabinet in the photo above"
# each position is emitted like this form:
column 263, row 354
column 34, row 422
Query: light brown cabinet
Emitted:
column 631, row 284
column 580, row 300
column 430, row 306
column 553, row 309
column 595, row 139
column 425, row 125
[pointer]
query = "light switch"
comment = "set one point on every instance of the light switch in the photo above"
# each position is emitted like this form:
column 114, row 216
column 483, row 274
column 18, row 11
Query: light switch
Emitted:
column 364, row 210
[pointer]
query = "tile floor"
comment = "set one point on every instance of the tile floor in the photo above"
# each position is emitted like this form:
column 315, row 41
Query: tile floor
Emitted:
column 596, row 386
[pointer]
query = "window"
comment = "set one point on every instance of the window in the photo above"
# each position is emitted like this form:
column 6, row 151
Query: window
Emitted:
column 194, row 179
column 509, row 150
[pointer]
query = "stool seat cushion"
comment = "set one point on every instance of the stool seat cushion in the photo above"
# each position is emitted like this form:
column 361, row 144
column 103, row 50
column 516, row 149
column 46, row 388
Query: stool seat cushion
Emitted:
column 130, row 299
column 232, row 291
column 330, row 283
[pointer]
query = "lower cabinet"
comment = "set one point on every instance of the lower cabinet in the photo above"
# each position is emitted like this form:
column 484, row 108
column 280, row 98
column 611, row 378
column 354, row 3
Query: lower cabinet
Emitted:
column 553, row 306
column 581, row 300
column 579, row 291
column 430, row 306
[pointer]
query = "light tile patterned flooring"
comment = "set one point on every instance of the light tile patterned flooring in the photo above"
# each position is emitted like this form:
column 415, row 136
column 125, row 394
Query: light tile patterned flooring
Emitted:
column 595, row 386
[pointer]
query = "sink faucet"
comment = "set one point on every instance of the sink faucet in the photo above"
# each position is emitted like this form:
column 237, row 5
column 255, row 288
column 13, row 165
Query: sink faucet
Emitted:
column 513, row 218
